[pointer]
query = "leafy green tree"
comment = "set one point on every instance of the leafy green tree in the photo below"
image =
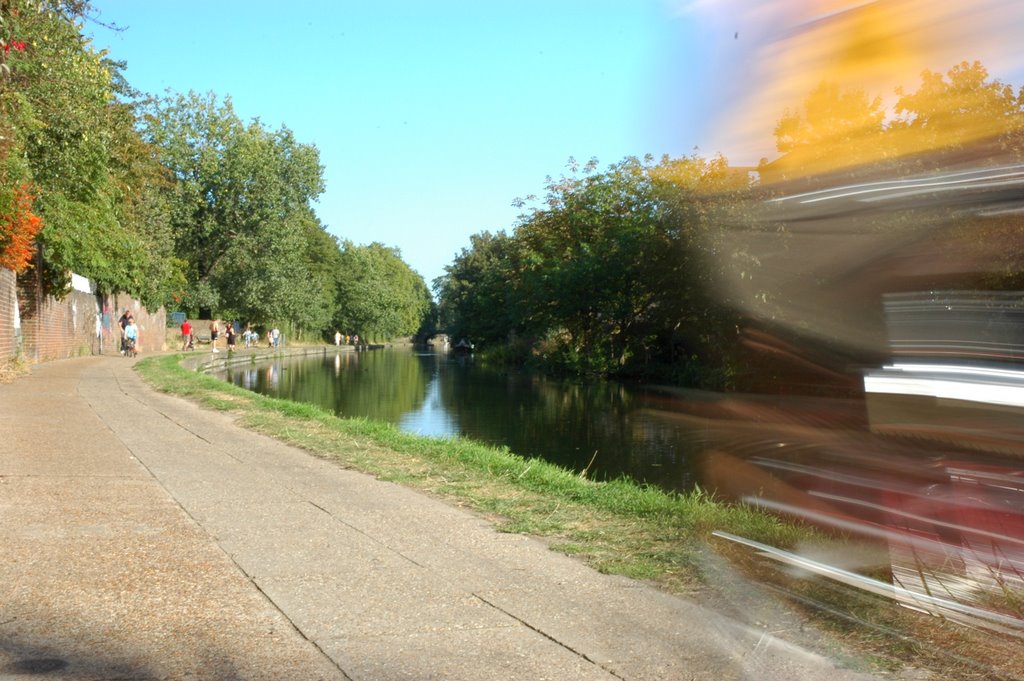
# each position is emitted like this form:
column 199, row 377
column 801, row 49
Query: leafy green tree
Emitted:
column 584, row 281
column 699, row 246
column 478, row 294
column 314, row 306
column 608, row 275
column 241, row 211
column 62, row 128
column 141, row 183
column 379, row 295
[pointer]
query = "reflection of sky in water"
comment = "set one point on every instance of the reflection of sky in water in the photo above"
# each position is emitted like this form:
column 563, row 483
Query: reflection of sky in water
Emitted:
column 250, row 378
column 431, row 418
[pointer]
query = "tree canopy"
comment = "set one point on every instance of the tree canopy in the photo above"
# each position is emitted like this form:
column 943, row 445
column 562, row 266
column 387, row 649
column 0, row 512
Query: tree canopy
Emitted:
column 839, row 128
column 608, row 274
column 379, row 296
column 240, row 209
column 64, row 133
column 173, row 199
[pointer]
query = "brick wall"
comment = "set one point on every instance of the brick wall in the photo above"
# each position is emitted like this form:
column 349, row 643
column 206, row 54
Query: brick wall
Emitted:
column 152, row 325
column 8, row 340
column 82, row 323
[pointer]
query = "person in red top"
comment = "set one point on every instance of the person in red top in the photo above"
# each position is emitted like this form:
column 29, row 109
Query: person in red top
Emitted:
column 186, row 335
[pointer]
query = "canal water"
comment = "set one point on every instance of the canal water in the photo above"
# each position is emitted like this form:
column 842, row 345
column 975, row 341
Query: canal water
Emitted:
column 608, row 429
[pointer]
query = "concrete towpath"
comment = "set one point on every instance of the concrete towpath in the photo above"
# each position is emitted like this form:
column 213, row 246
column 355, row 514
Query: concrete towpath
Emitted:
column 144, row 538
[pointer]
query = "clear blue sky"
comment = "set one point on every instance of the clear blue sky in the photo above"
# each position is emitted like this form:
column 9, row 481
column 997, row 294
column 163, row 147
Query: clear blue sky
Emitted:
column 431, row 116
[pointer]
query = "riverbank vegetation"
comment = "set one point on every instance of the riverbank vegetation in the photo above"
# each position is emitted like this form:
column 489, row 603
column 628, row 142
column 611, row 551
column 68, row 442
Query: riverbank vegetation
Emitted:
column 618, row 527
column 610, row 274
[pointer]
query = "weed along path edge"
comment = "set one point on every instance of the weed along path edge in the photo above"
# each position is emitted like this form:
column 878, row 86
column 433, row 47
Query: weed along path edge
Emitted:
column 147, row 535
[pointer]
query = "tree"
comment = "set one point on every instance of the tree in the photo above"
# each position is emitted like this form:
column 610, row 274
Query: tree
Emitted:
column 478, row 296
column 314, row 306
column 584, row 279
column 141, row 184
column 18, row 228
column 608, row 275
column 59, row 124
column 379, row 296
column 240, row 210
column 966, row 108
column 835, row 128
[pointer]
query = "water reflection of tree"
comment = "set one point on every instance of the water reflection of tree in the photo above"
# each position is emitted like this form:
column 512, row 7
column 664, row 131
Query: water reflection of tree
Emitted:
column 379, row 385
column 591, row 426
column 562, row 422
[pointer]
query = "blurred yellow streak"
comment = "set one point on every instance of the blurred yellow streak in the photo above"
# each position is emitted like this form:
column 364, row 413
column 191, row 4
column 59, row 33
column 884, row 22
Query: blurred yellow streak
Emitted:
column 868, row 47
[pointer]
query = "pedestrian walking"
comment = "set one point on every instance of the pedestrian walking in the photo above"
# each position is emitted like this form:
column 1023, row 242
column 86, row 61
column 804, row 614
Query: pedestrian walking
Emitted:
column 214, row 332
column 122, row 322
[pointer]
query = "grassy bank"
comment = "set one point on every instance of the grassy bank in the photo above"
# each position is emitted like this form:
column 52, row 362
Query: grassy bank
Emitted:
column 617, row 527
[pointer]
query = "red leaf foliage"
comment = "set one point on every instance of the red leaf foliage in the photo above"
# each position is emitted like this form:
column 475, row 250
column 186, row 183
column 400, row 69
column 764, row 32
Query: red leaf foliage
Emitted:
column 18, row 229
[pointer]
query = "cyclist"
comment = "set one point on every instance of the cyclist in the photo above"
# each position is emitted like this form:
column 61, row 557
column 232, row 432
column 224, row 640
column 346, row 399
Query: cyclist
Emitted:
column 131, row 337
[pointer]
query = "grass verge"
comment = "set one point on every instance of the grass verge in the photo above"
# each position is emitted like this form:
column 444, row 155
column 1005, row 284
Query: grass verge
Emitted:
column 617, row 527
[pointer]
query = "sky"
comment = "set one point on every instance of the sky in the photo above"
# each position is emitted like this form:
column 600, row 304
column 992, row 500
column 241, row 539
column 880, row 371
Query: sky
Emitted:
column 432, row 117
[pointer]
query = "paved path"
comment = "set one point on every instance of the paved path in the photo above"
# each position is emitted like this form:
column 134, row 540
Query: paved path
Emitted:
column 144, row 538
